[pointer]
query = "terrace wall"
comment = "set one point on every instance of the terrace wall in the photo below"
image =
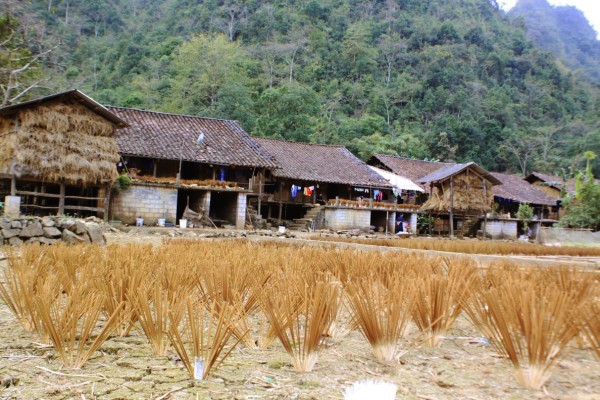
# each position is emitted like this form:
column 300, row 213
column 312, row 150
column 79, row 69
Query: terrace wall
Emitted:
column 347, row 218
column 502, row 228
column 146, row 201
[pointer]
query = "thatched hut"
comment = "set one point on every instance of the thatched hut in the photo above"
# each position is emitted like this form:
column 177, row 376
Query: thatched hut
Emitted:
column 59, row 148
column 463, row 188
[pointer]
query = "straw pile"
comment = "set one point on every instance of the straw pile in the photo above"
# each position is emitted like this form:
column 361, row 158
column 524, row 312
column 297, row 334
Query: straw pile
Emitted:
column 472, row 247
column 469, row 195
column 60, row 142
column 202, row 300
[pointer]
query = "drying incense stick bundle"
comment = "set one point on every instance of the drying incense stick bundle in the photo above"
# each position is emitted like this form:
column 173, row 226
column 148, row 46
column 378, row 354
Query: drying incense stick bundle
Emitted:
column 527, row 323
column 299, row 312
column 70, row 322
column 202, row 341
column 381, row 311
column 441, row 291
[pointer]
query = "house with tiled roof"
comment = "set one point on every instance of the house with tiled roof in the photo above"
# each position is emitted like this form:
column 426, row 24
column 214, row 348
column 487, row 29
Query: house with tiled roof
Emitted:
column 505, row 190
column 180, row 161
column 324, row 186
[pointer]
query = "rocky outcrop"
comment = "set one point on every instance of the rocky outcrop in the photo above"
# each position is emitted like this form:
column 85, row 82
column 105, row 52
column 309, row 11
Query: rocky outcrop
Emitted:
column 49, row 230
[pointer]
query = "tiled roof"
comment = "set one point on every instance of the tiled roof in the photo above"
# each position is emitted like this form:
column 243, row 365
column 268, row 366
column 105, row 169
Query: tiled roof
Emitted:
column 553, row 181
column 171, row 136
column 407, row 167
column 319, row 163
column 514, row 187
column 450, row 170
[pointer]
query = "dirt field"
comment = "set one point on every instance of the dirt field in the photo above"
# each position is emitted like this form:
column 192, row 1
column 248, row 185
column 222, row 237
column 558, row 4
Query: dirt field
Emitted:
column 464, row 367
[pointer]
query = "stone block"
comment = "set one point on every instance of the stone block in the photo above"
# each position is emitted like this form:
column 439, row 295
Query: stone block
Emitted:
column 32, row 240
column 15, row 241
column 52, row 232
column 48, row 241
column 10, row 233
column 12, row 206
column 48, row 222
column 78, row 227
column 70, row 237
column 95, row 234
column 16, row 224
column 32, row 230
column 4, row 223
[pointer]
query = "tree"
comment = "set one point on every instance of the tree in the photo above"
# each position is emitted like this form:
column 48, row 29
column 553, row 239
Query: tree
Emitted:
column 202, row 67
column 20, row 67
column 583, row 209
column 522, row 147
column 288, row 112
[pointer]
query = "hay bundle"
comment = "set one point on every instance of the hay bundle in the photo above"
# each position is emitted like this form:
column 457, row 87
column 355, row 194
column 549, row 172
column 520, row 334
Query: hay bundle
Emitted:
column 469, row 195
column 60, row 142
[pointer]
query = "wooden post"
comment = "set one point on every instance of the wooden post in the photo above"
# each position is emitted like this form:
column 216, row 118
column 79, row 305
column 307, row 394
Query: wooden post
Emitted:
column 451, row 216
column 387, row 221
column 154, row 167
column 61, row 200
column 107, row 202
column 260, row 190
column 13, row 185
column 485, row 214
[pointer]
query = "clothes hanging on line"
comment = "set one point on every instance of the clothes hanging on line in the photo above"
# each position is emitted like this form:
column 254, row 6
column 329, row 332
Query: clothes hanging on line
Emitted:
column 308, row 190
column 377, row 195
column 295, row 190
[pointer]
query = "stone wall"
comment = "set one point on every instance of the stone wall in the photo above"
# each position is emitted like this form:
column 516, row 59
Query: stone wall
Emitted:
column 566, row 235
column 49, row 230
column 502, row 228
column 347, row 218
column 146, row 201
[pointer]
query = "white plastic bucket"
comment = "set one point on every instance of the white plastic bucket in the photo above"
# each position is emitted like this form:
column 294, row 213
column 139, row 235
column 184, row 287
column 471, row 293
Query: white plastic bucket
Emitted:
column 281, row 229
column 139, row 222
column 183, row 223
column 161, row 222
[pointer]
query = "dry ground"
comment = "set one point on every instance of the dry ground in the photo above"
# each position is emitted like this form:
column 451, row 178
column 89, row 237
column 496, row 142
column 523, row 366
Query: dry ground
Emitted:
column 462, row 368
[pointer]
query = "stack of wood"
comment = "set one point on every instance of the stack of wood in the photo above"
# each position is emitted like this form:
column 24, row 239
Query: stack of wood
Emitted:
column 196, row 219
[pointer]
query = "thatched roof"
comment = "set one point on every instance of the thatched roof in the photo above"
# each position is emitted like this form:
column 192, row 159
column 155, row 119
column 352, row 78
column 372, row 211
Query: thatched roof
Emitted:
column 320, row 163
column 171, row 136
column 66, row 137
column 454, row 169
column 517, row 189
column 468, row 193
column 73, row 96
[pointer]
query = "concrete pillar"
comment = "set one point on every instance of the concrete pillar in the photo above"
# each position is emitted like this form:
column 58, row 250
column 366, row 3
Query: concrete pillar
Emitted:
column 391, row 222
column 240, row 219
column 12, row 206
column 413, row 222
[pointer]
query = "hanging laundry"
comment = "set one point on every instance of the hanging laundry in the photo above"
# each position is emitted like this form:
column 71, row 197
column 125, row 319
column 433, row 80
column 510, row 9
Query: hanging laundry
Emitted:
column 295, row 190
column 377, row 195
column 308, row 191
column 222, row 175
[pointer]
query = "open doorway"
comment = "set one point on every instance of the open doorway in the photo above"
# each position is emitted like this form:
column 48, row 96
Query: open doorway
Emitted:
column 223, row 208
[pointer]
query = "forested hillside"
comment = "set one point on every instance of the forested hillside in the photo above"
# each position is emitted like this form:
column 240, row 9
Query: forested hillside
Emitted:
column 564, row 31
column 447, row 80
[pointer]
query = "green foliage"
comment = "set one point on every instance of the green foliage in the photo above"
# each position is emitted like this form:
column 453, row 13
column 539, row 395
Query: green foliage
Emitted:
column 425, row 223
column 583, row 210
column 288, row 112
column 525, row 212
column 436, row 79
column 123, row 181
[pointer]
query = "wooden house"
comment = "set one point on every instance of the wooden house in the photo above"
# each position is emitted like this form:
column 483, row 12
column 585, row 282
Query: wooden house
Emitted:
column 58, row 154
column 178, row 161
column 323, row 186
